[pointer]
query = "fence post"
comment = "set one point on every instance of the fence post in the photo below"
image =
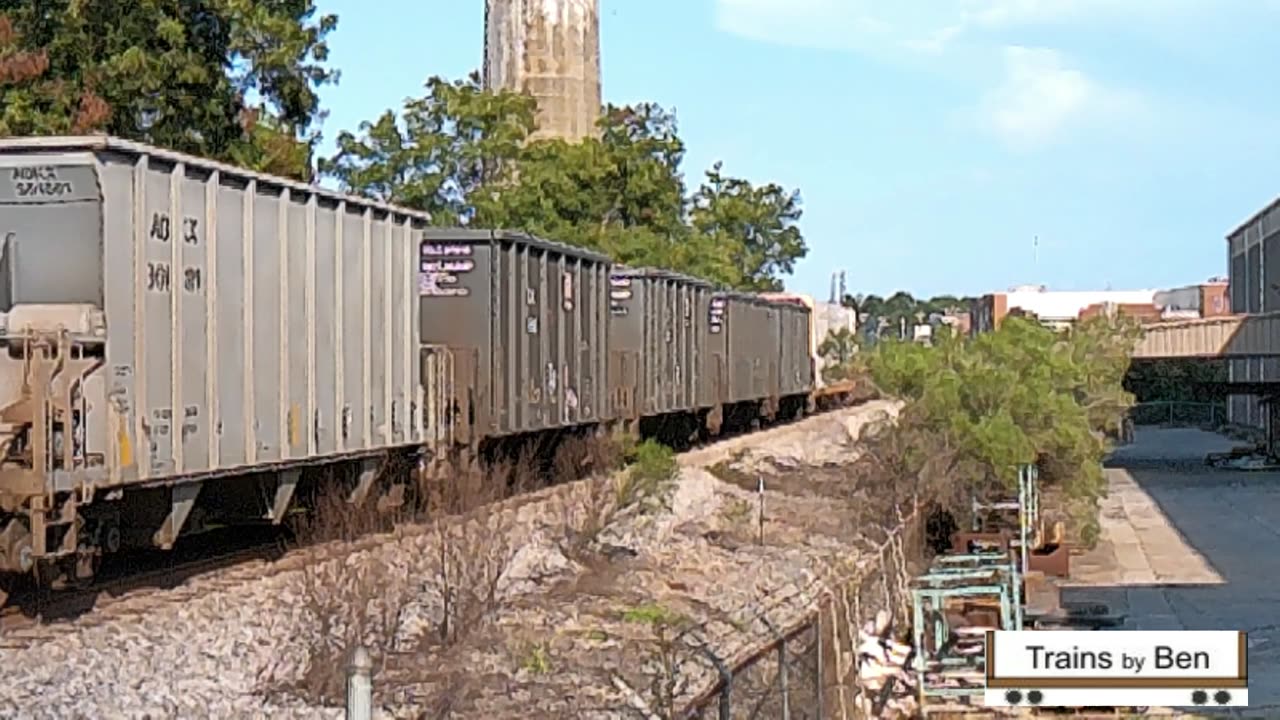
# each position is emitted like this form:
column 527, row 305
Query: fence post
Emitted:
column 817, row 648
column 760, row 490
column 782, row 679
column 726, row 682
column 360, row 685
column 782, row 668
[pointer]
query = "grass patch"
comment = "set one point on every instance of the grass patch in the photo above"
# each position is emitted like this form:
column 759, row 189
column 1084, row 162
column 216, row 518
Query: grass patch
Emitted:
column 652, row 614
column 536, row 659
column 648, row 483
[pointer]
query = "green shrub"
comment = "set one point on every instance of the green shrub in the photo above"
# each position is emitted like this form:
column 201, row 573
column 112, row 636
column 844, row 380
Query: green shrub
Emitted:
column 648, row 483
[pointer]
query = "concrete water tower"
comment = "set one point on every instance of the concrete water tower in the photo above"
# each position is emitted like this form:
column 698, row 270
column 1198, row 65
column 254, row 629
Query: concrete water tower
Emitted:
column 549, row 49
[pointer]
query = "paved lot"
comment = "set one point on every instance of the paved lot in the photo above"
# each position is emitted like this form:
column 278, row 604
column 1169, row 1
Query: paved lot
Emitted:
column 1185, row 546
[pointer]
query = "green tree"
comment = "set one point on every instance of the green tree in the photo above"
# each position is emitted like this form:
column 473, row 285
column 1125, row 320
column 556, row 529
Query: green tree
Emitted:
column 270, row 147
column 177, row 73
column 34, row 102
column 621, row 194
column 464, row 154
column 758, row 223
column 838, row 348
column 1177, row 380
column 442, row 154
column 977, row 408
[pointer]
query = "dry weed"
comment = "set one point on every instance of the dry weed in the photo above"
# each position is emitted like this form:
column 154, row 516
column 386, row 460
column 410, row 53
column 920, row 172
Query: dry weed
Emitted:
column 408, row 618
column 333, row 518
column 585, row 511
column 670, row 662
column 461, row 492
column 347, row 604
column 416, row 608
column 468, row 561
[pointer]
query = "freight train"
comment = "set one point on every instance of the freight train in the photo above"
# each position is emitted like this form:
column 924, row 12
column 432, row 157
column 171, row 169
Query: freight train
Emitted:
column 189, row 343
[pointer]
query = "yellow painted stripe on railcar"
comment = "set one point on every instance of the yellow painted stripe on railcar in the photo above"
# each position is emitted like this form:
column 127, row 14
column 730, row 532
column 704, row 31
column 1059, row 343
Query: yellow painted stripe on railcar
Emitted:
column 293, row 424
column 124, row 447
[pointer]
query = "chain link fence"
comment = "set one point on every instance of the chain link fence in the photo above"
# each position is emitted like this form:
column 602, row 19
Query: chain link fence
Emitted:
column 811, row 668
column 1179, row 413
column 793, row 654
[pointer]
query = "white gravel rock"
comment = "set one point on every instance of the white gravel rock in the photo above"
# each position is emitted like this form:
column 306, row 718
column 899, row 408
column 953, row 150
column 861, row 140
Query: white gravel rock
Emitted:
column 206, row 655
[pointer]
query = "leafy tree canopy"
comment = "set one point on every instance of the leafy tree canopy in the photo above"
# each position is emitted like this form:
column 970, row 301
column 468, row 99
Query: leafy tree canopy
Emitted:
column 234, row 80
column 465, row 155
column 977, row 408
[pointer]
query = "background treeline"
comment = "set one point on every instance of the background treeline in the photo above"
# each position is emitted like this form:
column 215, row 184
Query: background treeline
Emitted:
column 239, row 81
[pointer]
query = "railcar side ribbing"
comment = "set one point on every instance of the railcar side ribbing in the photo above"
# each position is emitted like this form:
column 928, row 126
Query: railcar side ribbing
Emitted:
column 191, row 341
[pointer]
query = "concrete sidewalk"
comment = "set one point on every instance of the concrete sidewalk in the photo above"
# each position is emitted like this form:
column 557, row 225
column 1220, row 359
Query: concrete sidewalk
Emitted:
column 1184, row 546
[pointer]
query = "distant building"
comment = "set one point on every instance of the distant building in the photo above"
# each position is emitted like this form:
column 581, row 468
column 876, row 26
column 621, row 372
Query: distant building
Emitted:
column 959, row 321
column 1055, row 308
column 1206, row 299
column 956, row 320
column 1143, row 313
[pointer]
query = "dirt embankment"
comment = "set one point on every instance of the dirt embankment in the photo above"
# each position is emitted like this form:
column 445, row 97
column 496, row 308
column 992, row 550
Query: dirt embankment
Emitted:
column 558, row 604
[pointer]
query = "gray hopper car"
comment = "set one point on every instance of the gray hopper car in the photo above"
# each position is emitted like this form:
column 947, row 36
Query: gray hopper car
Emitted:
column 658, row 339
column 753, row 335
column 169, row 319
column 524, row 321
column 762, row 362
column 796, row 366
column 185, row 340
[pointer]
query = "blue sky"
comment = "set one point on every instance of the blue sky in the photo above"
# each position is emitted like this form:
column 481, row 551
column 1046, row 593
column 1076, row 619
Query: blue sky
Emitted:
column 931, row 139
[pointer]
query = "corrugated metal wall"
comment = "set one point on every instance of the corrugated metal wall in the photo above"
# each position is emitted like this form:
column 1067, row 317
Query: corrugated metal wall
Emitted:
column 1254, row 252
column 549, row 49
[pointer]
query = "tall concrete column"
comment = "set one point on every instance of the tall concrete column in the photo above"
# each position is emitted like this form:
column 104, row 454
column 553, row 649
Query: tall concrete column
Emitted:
column 549, row 49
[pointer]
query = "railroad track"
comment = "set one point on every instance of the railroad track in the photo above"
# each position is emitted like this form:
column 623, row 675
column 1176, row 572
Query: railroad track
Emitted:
column 132, row 581
column 132, row 585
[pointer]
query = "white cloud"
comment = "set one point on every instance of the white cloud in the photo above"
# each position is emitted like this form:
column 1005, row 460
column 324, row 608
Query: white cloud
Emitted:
column 1040, row 97
column 1018, row 13
column 812, row 23
column 1033, row 96
column 932, row 25
column 937, row 41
